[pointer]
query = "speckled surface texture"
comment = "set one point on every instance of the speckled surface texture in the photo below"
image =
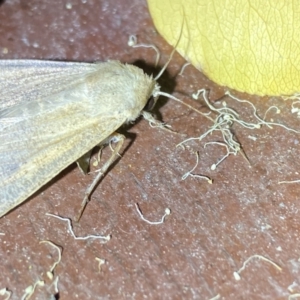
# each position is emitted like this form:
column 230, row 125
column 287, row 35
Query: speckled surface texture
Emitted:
column 213, row 228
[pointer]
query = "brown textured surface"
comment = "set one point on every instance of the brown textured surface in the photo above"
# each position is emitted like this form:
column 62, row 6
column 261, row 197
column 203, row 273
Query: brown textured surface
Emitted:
column 212, row 230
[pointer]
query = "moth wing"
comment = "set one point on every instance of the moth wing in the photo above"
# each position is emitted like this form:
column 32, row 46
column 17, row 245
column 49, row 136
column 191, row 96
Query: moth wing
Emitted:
column 26, row 80
column 24, row 170
column 47, row 121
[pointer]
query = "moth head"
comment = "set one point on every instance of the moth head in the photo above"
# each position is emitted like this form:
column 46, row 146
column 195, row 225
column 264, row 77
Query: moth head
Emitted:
column 153, row 98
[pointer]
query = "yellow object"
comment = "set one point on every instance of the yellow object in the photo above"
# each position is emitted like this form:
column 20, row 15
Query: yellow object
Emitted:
column 248, row 45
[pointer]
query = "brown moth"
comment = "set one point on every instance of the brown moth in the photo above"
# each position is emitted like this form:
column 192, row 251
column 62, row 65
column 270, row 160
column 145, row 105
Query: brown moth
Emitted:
column 53, row 113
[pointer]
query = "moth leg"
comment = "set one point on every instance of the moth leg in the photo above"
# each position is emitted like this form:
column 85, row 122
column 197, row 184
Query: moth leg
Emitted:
column 156, row 123
column 83, row 162
column 114, row 138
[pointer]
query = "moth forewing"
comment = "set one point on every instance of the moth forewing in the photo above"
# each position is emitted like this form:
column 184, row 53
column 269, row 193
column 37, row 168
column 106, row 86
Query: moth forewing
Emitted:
column 22, row 81
column 52, row 113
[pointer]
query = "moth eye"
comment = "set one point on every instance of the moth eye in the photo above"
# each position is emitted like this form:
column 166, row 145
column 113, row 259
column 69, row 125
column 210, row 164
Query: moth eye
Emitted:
column 151, row 102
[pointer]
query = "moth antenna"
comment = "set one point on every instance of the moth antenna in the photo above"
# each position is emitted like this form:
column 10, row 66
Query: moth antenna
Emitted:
column 172, row 53
column 159, row 93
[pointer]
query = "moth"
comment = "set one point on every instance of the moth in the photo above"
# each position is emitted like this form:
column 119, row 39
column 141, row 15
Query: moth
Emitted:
column 53, row 113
